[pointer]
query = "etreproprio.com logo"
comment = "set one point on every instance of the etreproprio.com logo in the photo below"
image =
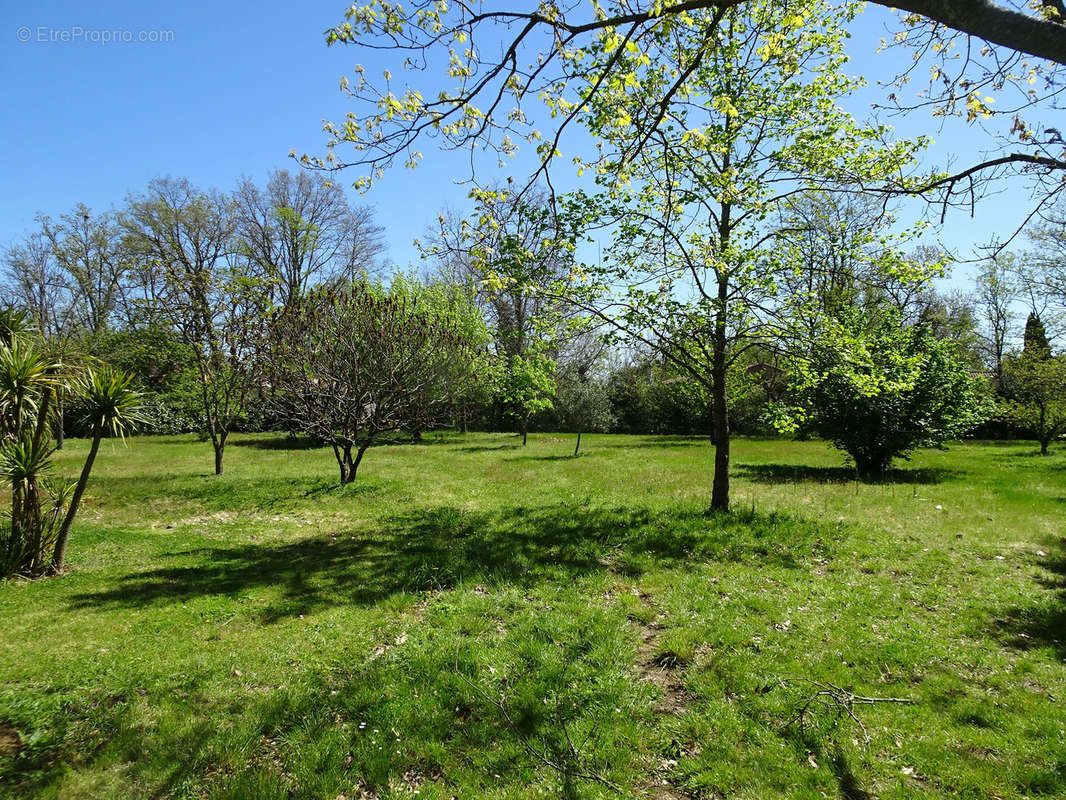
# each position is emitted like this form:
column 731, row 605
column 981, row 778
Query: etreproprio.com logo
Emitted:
column 47, row 34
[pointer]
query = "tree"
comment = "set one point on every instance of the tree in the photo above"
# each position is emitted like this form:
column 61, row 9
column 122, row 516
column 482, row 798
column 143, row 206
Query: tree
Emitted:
column 1035, row 344
column 517, row 239
column 112, row 406
column 1033, row 383
column 526, row 387
column 582, row 402
column 357, row 363
column 694, row 268
column 164, row 370
column 996, row 292
column 511, row 254
column 88, row 251
column 300, row 230
column 454, row 306
column 216, row 300
column 35, row 283
column 541, row 51
column 878, row 389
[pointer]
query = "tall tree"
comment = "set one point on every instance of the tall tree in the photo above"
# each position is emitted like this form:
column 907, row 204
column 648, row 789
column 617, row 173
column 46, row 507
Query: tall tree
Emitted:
column 691, row 184
column 34, row 283
column 214, row 298
column 507, row 236
column 1035, row 343
column 88, row 250
column 997, row 290
column 300, row 230
column 842, row 250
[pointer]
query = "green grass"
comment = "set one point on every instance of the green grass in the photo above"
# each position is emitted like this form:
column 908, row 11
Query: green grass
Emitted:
column 476, row 619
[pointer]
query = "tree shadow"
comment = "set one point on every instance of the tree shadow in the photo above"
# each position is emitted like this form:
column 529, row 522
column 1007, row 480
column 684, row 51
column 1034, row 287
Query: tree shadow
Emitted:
column 850, row 788
column 453, row 714
column 805, row 473
column 209, row 492
column 1035, row 453
column 1043, row 624
column 665, row 441
column 487, row 448
column 285, row 442
column 442, row 547
column 568, row 456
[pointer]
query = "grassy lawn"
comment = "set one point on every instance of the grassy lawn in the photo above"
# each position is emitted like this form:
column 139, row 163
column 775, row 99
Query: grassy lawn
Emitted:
column 476, row 619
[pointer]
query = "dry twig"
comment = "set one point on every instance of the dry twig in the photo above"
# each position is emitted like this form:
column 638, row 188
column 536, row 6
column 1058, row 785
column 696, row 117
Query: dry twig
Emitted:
column 843, row 700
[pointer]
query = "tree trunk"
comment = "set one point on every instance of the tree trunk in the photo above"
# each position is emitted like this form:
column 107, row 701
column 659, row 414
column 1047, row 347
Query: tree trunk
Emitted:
column 719, row 368
column 75, row 500
column 16, row 535
column 220, row 448
column 349, row 466
column 1045, row 439
column 524, row 427
column 577, row 446
column 42, row 419
column 343, row 454
column 31, row 512
column 871, row 466
column 59, row 421
column 720, row 485
column 355, row 464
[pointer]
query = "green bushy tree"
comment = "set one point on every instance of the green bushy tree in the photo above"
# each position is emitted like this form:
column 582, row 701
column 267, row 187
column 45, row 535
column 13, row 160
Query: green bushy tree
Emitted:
column 454, row 306
column 1034, row 388
column 582, row 402
column 880, row 389
column 526, row 387
column 164, row 370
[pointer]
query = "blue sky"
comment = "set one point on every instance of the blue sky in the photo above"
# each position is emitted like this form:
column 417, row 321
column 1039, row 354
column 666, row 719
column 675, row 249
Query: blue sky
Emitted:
column 236, row 88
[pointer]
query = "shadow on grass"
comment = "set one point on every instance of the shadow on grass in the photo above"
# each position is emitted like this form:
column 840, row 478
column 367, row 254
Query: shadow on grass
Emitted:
column 488, row 448
column 567, row 456
column 665, row 442
column 850, row 788
column 287, row 442
column 1043, row 624
column 231, row 493
column 295, row 740
column 443, row 547
column 279, row 442
column 804, row 473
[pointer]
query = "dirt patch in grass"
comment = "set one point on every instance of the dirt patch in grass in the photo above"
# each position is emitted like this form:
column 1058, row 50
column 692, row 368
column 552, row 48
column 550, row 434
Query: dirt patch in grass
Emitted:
column 10, row 741
column 662, row 669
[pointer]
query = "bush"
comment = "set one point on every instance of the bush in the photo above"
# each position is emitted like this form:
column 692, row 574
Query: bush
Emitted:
column 879, row 390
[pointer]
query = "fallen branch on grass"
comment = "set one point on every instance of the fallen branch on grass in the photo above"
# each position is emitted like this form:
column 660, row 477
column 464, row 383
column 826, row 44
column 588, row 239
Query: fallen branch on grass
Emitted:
column 843, row 700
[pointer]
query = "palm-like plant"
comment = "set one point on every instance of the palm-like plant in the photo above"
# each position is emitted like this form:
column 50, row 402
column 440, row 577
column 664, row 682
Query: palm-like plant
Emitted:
column 113, row 407
column 28, row 382
column 34, row 539
column 13, row 324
